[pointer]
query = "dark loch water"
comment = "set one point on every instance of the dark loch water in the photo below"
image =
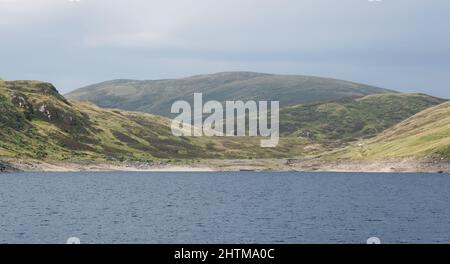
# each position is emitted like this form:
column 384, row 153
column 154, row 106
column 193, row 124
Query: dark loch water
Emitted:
column 224, row 207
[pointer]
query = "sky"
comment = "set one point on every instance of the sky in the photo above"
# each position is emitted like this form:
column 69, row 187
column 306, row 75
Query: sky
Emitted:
column 397, row 44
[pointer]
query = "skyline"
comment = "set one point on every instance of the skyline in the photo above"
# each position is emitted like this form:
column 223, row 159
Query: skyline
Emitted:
column 399, row 45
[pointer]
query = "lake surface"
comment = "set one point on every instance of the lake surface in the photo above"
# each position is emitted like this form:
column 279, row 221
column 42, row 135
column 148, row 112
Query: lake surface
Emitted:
column 241, row 207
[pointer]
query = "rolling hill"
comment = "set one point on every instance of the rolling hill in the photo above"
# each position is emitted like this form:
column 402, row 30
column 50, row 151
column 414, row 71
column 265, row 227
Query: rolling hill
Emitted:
column 351, row 119
column 156, row 97
column 37, row 122
column 426, row 134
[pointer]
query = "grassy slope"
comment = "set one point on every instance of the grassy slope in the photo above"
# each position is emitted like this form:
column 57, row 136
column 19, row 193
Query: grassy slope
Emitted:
column 156, row 97
column 424, row 134
column 38, row 122
column 351, row 119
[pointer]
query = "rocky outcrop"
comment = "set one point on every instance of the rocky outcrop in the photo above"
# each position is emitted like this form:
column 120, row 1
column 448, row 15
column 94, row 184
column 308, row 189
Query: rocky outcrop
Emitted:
column 5, row 167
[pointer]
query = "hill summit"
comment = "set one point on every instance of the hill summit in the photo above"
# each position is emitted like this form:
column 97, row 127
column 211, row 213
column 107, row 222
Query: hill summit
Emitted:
column 157, row 96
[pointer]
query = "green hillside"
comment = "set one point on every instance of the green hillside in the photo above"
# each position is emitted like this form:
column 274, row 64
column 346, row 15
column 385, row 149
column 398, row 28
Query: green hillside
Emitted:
column 351, row 119
column 37, row 122
column 157, row 96
column 424, row 134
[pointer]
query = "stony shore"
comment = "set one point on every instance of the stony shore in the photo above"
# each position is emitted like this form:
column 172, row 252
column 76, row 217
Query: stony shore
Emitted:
column 426, row 165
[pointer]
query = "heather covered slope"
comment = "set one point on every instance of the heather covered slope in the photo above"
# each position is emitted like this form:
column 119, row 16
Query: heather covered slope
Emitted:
column 157, row 96
column 37, row 122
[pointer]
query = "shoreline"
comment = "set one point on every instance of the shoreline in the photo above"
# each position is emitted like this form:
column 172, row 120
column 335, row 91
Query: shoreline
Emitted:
column 44, row 166
column 407, row 165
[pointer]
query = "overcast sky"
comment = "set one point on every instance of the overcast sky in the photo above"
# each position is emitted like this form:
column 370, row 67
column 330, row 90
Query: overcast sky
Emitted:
column 396, row 44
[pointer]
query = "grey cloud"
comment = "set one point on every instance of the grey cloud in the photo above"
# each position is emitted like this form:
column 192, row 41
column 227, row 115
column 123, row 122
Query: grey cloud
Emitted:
column 397, row 44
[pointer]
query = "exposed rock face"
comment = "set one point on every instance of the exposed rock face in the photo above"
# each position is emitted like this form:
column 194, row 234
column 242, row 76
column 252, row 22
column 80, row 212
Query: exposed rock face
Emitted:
column 54, row 108
column 20, row 100
column 35, row 87
column 4, row 167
